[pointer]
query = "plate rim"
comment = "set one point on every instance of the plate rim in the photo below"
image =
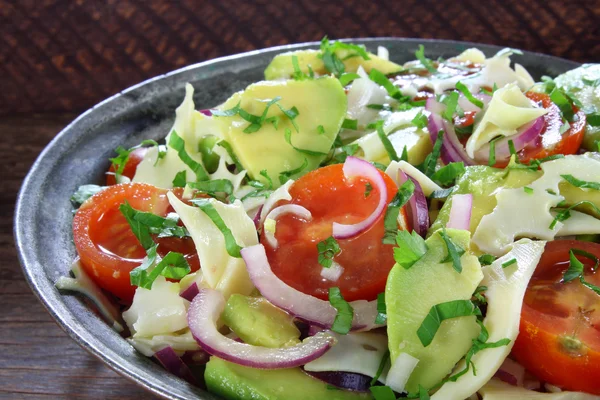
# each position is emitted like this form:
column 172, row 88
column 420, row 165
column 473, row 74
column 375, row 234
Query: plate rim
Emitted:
column 27, row 257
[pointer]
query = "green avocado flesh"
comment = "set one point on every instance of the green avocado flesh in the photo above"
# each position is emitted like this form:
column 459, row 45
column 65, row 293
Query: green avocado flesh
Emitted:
column 236, row 382
column 258, row 322
column 410, row 294
column 282, row 68
column 589, row 95
column 321, row 105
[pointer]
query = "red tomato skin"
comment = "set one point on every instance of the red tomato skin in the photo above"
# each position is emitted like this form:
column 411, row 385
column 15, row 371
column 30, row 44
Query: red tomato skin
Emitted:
column 329, row 198
column 134, row 159
column 107, row 247
column 540, row 346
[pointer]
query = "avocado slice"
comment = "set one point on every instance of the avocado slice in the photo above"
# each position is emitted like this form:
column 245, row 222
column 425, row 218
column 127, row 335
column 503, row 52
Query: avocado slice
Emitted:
column 236, row 382
column 281, row 66
column 410, row 294
column 321, row 105
column 589, row 95
column 258, row 322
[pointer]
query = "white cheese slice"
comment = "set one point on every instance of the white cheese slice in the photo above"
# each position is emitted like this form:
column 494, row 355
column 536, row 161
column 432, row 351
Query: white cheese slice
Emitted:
column 219, row 270
column 579, row 224
column 181, row 343
column 522, row 214
column 156, row 311
column 362, row 93
column 427, row 185
column 191, row 126
column 360, row 353
column 508, row 110
column 506, row 289
column 473, row 55
column 498, row 390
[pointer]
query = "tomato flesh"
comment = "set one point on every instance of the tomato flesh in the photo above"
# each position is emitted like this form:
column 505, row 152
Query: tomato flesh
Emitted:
column 559, row 339
column 107, row 247
column 330, row 198
column 134, row 159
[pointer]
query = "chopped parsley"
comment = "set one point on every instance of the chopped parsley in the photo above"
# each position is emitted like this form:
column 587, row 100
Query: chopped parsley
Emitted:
column 180, row 179
column 379, row 78
column 227, row 146
column 593, row 119
column 431, row 160
column 390, row 221
column 562, row 101
column 298, row 74
column 387, row 144
column 178, row 144
column 350, row 124
column 467, row 93
column 420, row 120
column 454, row 252
column 382, row 393
column 486, row 259
column 213, row 187
column 528, row 190
column 509, row 262
column 257, row 121
column 425, row 62
column 348, row 77
column 288, row 139
column 564, row 214
column 451, row 102
column 446, row 175
column 576, row 269
column 321, row 130
column 411, row 248
column 440, row 312
column 286, row 175
column 119, row 162
column 328, row 249
column 345, row 313
column 233, row 249
column 581, row 184
column 368, row 189
column 381, row 310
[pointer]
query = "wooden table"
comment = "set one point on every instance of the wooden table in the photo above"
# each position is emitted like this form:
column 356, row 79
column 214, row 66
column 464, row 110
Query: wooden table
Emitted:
column 37, row 359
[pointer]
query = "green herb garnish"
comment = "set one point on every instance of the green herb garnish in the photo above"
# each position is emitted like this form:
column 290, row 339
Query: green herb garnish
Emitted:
column 345, row 313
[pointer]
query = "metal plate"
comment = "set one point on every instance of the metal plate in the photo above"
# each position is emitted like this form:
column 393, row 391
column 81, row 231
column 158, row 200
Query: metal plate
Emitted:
column 79, row 155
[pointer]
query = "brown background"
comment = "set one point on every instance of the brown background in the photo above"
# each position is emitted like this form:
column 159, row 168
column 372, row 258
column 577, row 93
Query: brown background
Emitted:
column 58, row 58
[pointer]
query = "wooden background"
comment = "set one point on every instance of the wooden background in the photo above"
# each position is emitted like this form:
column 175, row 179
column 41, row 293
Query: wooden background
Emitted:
column 59, row 57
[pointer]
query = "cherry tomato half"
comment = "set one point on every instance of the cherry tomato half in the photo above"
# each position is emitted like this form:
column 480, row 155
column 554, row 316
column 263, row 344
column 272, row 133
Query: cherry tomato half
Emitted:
column 106, row 245
column 134, row 159
column 559, row 339
column 330, row 197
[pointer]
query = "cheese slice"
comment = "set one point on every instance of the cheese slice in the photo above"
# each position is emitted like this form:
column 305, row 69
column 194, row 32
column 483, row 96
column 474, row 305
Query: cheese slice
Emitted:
column 360, row 353
column 180, row 342
column 219, row 270
column 427, row 185
column 508, row 110
column 506, row 289
column 522, row 214
column 498, row 390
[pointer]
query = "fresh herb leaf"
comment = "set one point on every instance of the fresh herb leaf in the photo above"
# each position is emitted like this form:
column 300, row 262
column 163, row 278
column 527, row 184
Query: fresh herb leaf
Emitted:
column 486, row 259
column 528, row 190
column 331, row 61
column 345, row 313
column 593, row 119
column 84, row 192
column 441, row 312
column 467, row 93
column 382, row 393
column 389, row 148
column 576, row 269
column 558, row 97
column 425, row 62
column 446, row 175
column 492, row 157
column 178, row 144
column 320, row 130
column 451, row 102
column 381, row 310
column 379, row 78
column 404, row 156
column 233, row 249
column 120, row 161
column 591, row 82
column 384, row 361
column 411, row 248
column 390, row 221
column 298, row 75
column 288, row 139
column 368, row 189
column 139, row 229
column 225, row 144
column 145, row 223
column 442, row 194
column 285, row 176
column 454, row 252
column 581, row 184
column 513, row 151
column 213, row 187
column 509, row 262
column 172, row 266
column 350, row 124
column 420, row 120
column 348, row 77
column 328, row 249
column 423, row 394
column 431, row 160
column 564, row 214
column 180, row 179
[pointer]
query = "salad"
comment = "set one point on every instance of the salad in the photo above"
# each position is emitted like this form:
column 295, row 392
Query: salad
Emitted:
column 353, row 228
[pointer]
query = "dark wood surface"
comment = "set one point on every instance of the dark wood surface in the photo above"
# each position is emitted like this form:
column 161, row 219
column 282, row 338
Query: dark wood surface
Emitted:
column 59, row 57
column 37, row 359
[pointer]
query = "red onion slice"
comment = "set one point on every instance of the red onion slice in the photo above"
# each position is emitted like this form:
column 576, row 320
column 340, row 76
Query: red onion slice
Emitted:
column 452, row 148
column 208, row 113
column 460, row 212
column 527, row 134
column 281, row 210
column 175, row 365
column 417, row 205
column 195, row 357
column 343, row 380
column 190, row 292
column 355, row 167
column 308, row 308
column 256, row 218
column 511, row 372
column 203, row 315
